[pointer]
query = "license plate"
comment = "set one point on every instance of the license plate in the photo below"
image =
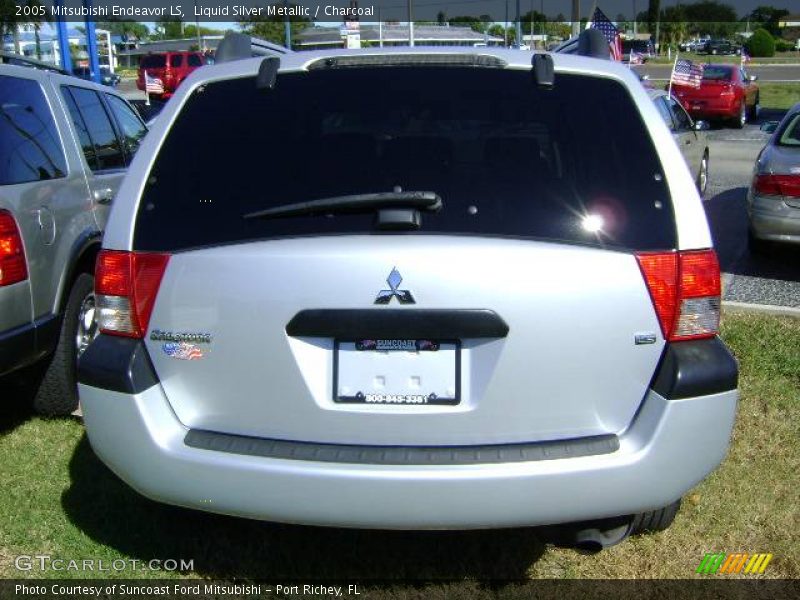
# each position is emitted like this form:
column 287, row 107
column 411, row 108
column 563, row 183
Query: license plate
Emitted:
column 397, row 371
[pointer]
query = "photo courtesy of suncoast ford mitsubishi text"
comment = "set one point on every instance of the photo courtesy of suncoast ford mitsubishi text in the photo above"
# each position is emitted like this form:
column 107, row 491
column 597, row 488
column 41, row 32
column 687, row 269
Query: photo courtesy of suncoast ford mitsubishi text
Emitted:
column 454, row 295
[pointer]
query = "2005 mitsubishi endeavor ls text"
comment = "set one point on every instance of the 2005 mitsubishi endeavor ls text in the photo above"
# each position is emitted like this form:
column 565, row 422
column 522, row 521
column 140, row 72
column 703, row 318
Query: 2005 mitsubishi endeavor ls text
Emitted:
column 411, row 289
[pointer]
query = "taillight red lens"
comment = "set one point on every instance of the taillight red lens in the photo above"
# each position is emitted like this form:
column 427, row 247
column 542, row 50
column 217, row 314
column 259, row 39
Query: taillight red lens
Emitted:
column 126, row 285
column 13, row 267
column 766, row 184
column 685, row 288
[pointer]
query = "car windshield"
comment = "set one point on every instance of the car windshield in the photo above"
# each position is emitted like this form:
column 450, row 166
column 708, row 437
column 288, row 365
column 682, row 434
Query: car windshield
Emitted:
column 154, row 61
column 507, row 158
column 716, row 73
column 790, row 135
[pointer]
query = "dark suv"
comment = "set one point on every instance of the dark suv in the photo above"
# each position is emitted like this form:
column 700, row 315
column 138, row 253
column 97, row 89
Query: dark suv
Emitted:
column 171, row 68
column 720, row 47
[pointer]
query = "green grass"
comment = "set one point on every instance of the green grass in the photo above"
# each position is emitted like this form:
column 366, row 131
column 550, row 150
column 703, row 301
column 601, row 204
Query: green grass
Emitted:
column 58, row 499
column 779, row 95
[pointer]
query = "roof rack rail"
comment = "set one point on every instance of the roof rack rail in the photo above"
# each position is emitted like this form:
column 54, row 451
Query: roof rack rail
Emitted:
column 10, row 58
column 590, row 42
column 237, row 46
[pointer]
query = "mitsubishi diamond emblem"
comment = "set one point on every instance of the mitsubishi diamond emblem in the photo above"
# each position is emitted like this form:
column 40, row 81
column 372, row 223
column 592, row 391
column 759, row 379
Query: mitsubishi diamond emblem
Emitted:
column 403, row 296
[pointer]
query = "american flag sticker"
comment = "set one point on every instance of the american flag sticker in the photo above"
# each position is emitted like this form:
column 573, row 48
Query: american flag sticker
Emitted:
column 182, row 350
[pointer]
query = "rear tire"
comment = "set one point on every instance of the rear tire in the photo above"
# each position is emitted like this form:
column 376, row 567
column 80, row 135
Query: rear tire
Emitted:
column 702, row 176
column 752, row 114
column 738, row 122
column 57, row 393
column 655, row 520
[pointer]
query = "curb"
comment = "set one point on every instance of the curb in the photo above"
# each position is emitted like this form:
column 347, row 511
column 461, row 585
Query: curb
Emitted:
column 764, row 309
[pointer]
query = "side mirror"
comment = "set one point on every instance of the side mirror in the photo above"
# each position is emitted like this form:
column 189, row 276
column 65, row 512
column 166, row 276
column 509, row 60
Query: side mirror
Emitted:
column 753, row 77
column 769, row 126
column 701, row 126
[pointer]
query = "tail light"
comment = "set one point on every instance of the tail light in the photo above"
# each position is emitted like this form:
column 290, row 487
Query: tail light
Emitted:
column 767, row 184
column 13, row 267
column 126, row 285
column 685, row 289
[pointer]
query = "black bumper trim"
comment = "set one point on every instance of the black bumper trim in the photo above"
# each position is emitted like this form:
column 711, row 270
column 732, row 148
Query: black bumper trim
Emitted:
column 696, row 368
column 118, row 364
column 401, row 455
column 394, row 323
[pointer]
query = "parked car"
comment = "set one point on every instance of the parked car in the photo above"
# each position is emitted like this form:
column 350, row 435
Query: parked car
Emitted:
column 65, row 144
column 773, row 200
column 458, row 284
column 720, row 47
column 691, row 137
column 106, row 76
column 171, row 68
column 726, row 92
column 644, row 48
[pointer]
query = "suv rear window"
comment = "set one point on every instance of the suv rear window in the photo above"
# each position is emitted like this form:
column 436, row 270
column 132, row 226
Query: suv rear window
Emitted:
column 30, row 149
column 506, row 157
column 154, row 61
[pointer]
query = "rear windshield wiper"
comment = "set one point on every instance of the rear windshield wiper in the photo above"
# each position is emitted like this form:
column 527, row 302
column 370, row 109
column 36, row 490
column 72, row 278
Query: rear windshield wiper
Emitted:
column 355, row 203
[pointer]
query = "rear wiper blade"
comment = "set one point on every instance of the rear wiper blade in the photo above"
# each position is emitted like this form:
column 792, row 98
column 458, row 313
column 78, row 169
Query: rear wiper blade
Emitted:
column 354, row 203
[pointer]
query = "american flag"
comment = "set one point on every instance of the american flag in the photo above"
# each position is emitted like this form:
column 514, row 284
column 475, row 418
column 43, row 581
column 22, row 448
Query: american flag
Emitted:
column 153, row 85
column 745, row 57
column 608, row 29
column 635, row 58
column 182, row 350
column 686, row 72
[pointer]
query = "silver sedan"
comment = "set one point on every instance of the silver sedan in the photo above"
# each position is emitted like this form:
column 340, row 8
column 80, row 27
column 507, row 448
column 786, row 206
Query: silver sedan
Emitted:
column 773, row 200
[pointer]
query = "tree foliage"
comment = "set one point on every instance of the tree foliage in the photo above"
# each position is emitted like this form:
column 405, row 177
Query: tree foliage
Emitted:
column 768, row 18
column 273, row 29
column 761, row 43
column 125, row 29
column 479, row 24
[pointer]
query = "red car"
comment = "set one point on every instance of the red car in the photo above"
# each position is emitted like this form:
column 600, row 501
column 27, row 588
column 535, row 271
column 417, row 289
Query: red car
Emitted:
column 171, row 68
column 725, row 93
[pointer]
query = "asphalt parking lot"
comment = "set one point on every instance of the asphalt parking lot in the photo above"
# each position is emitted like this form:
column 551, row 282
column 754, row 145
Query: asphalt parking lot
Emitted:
column 773, row 279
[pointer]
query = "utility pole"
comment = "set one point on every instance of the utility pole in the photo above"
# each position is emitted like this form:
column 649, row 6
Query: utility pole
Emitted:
column 505, row 28
column 634, row 19
column 411, row 23
column 519, row 25
column 576, row 17
column 287, row 26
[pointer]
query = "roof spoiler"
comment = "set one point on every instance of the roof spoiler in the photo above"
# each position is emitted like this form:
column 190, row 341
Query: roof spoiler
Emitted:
column 591, row 42
column 237, row 46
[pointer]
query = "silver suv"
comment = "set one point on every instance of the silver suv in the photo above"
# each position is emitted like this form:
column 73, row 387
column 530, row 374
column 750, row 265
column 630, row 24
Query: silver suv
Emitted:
column 412, row 289
column 65, row 145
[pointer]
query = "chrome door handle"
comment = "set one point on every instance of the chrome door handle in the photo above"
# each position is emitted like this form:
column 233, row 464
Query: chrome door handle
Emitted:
column 104, row 196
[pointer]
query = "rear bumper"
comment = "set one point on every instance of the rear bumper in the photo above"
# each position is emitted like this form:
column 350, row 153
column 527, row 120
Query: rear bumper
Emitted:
column 670, row 447
column 711, row 108
column 774, row 220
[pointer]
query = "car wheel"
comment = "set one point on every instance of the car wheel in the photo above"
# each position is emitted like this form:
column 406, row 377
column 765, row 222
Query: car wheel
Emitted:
column 57, row 394
column 754, row 110
column 655, row 520
column 702, row 176
column 739, row 121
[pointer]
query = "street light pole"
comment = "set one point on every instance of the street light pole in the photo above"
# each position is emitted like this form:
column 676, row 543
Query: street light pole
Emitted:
column 411, row 23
